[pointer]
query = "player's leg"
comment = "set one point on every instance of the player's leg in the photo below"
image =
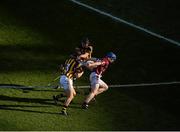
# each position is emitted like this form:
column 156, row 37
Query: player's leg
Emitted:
column 64, row 83
column 70, row 93
column 94, row 90
column 92, row 94
column 94, row 79
column 102, row 87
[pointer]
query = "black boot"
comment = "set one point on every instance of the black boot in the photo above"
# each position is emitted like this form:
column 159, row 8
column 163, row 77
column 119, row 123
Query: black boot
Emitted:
column 85, row 105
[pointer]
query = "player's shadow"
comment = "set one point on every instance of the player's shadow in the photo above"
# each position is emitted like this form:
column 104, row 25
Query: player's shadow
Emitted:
column 19, row 108
column 15, row 86
column 49, row 102
column 26, row 100
column 26, row 89
column 39, row 90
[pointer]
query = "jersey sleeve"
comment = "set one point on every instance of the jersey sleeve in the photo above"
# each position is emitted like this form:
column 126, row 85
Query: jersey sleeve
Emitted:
column 103, row 62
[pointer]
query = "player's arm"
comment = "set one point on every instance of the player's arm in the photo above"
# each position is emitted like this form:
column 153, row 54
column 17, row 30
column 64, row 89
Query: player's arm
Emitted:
column 78, row 75
column 79, row 72
column 94, row 64
column 84, row 56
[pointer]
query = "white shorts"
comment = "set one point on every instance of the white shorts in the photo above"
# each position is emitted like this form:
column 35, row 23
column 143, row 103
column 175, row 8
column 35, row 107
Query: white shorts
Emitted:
column 66, row 83
column 95, row 80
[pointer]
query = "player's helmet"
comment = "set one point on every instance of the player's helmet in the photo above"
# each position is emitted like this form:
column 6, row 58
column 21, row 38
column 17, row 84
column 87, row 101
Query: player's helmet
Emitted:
column 85, row 41
column 111, row 55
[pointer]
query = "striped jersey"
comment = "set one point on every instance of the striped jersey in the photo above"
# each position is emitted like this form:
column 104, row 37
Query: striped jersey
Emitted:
column 71, row 66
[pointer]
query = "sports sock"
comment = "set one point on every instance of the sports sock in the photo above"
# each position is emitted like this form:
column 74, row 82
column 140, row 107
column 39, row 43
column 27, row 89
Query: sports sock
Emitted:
column 64, row 107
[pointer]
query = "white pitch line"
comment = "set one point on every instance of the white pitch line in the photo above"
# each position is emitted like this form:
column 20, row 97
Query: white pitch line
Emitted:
column 137, row 85
column 126, row 22
column 84, row 87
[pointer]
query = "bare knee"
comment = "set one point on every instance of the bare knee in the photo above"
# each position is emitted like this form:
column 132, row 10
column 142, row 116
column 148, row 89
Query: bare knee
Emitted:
column 70, row 97
column 74, row 94
column 106, row 87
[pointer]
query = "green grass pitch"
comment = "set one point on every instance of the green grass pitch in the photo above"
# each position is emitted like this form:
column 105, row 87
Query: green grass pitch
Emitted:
column 37, row 36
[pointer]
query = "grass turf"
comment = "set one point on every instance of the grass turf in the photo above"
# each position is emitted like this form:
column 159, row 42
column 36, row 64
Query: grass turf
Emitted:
column 37, row 36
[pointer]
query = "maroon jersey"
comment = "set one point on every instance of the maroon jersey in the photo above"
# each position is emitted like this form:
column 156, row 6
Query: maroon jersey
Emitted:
column 102, row 68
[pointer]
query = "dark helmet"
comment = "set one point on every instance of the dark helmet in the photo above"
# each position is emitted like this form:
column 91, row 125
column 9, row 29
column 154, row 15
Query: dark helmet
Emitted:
column 85, row 40
column 111, row 55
